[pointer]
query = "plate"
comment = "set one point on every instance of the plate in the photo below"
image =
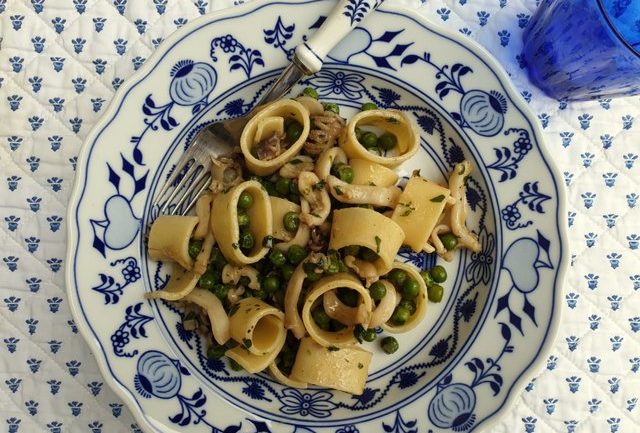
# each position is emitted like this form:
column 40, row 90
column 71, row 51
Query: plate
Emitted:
column 468, row 360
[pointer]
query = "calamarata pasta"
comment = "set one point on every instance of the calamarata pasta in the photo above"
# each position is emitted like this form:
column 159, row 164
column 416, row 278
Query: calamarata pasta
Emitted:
column 288, row 264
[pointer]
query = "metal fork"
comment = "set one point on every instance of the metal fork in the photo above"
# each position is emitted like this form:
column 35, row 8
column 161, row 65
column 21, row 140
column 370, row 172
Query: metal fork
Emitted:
column 221, row 138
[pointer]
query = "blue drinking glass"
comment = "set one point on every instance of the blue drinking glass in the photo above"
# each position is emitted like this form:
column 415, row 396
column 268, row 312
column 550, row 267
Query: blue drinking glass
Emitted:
column 585, row 49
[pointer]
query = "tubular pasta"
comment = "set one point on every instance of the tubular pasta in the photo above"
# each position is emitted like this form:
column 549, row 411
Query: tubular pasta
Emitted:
column 286, row 381
column 284, row 108
column 280, row 207
column 393, row 121
column 419, row 208
column 251, row 325
column 380, row 234
column 345, row 369
column 344, row 314
column 292, row 320
column 169, row 239
column 181, row 283
column 224, row 222
column 313, row 105
column 345, row 336
column 301, row 238
column 367, row 172
column 215, row 311
column 421, row 302
column 255, row 363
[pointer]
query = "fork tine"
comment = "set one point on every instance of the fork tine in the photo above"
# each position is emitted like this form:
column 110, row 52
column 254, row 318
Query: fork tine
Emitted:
column 191, row 171
column 196, row 196
column 182, row 163
column 193, row 187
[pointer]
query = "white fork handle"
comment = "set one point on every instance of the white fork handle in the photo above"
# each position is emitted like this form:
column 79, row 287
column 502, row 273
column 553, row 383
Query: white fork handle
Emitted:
column 346, row 15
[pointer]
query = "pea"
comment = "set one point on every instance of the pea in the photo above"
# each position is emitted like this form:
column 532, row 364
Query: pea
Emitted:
column 243, row 218
column 207, row 280
column 247, row 240
column 234, row 365
column 287, row 271
column 296, row 254
column 331, row 106
column 194, row 248
column 345, row 173
column 277, row 257
column 217, row 258
column 435, row 292
column 291, row 221
column 426, row 276
column 336, row 326
column 449, row 241
column 260, row 294
column 397, row 277
column 400, row 315
column 439, row 274
column 221, row 291
column 358, row 333
column 410, row 289
column 368, row 106
column 368, row 254
column 369, row 139
column 216, row 352
column 245, row 200
column 409, row 304
column 294, row 130
column 244, row 281
column 351, row 250
column 369, row 335
column 313, row 277
column 348, row 297
column 389, row 345
column 358, row 133
column 270, row 283
column 311, row 92
column 387, row 141
column 270, row 187
column 377, row 291
column 321, row 318
column 375, row 150
column 282, row 186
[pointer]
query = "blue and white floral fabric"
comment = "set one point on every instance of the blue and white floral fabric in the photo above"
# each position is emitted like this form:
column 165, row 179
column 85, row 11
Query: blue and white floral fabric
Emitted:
column 60, row 63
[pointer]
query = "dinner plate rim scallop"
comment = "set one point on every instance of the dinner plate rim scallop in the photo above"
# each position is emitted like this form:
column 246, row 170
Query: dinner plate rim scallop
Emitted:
column 139, row 349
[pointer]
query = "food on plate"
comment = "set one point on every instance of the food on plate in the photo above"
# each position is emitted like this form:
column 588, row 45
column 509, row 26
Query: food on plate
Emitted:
column 289, row 263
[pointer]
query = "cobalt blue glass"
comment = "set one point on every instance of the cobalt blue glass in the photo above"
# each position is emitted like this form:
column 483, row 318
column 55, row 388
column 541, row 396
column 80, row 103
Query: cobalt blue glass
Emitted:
column 585, row 49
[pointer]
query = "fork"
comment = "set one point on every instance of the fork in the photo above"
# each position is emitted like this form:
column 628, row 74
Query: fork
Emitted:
column 179, row 194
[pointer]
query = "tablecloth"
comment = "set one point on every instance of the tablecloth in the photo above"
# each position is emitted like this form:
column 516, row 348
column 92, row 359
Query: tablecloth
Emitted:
column 61, row 62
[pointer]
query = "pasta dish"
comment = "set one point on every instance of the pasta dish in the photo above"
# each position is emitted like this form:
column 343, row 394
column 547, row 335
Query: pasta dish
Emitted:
column 289, row 263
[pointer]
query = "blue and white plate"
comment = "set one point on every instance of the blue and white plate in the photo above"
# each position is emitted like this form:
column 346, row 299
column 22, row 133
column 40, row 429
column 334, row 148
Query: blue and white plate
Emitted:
column 456, row 372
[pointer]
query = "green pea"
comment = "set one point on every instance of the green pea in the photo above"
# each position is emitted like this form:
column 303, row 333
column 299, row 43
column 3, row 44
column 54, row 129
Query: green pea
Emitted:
column 368, row 106
column 282, row 186
column 358, row 333
column 287, row 271
column 234, row 365
column 330, row 106
column 349, row 297
column 217, row 258
column 270, row 187
column 369, row 335
column 194, row 248
column 377, row 291
column 409, row 304
column 270, row 284
column 243, row 218
column 368, row 254
column 369, row 139
column 449, row 241
column 358, row 133
column 313, row 277
column 245, row 200
column 321, row 318
column 296, row 254
column 351, row 250
column 435, row 292
column 291, row 221
column 277, row 257
column 345, row 173
column 400, row 315
column 397, row 277
column 247, row 240
column 387, row 141
column 426, row 276
column 260, row 294
column 294, row 130
column 207, row 280
column 439, row 274
column 389, row 345
column 311, row 92
column 410, row 289
column 375, row 150
column 336, row 326
column 216, row 352
column 221, row 291
column 244, row 281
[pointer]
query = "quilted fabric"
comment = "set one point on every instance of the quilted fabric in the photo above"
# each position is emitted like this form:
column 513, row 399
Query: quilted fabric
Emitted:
column 60, row 64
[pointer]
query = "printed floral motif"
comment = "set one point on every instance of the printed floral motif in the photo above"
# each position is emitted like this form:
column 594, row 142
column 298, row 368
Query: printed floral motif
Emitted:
column 315, row 403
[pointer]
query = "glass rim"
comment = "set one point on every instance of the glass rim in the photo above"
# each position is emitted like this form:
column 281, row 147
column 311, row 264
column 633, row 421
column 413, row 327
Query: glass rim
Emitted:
column 612, row 26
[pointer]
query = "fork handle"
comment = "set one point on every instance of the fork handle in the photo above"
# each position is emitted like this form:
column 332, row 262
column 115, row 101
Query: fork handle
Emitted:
column 346, row 15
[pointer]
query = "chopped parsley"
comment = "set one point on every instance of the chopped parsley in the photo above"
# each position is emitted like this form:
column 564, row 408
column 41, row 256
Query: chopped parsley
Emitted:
column 295, row 161
column 235, row 245
column 333, row 348
column 438, row 199
column 378, row 242
column 462, row 169
column 246, row 343
column 319, row 186
column 392, row 120
column 338, row 190
column 408, row 208
column 372, row 183
column 360, row 366
column 267, row 241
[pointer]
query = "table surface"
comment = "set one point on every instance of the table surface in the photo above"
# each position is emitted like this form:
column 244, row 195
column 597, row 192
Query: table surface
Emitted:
column 49, row 380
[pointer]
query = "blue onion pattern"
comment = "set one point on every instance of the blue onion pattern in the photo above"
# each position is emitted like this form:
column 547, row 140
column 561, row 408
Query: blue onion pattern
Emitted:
column 191, row 82
column 484, row 112
column 157, row 376
column 452, row 407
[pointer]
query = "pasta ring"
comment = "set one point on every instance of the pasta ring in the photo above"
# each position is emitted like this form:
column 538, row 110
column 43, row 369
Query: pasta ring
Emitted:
column 421, row 302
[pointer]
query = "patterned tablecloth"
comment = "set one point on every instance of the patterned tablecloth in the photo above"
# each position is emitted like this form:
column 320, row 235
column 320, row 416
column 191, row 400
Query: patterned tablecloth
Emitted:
column 60, row 64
